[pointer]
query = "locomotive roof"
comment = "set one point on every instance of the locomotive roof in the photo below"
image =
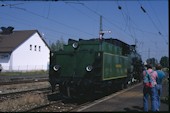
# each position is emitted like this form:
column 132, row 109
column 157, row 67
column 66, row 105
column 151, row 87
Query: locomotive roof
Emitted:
column 113, row 41
column 126, row 48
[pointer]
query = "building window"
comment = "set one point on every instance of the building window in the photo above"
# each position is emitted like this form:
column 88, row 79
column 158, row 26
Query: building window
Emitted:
column 39, row 48
column 35, row 48
column 30, row 47
column 4, row 56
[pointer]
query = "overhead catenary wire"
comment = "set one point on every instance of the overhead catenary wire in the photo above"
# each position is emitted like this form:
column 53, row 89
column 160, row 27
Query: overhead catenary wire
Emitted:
column 50, row 19
column 81, row 12
column 71, row 26
column 127, row 31
column 28, row 23
column 33, row 13
column 158, row 20
column 121, row 9
column 87, row 15
column 49, row 8
column 135, row 28
column 10, row 5
column 127, row 21
column 98, row 14
column 159, row 32
column 138, row 27
column 59, row 23
column 118, row 27
column 156, row 16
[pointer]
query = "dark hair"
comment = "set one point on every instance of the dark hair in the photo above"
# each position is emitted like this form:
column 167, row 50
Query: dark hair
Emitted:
column 149, row 66
column 158, row 67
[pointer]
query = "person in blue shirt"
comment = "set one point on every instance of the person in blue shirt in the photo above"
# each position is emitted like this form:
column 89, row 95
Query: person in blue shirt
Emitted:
column 161, row 75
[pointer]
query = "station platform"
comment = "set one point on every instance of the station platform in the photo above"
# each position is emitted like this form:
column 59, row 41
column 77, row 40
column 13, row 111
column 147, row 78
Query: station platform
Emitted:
column 127, row 100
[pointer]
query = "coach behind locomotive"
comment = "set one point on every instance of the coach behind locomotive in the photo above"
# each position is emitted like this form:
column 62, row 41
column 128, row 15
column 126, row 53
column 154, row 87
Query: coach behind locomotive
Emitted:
column 86, row 66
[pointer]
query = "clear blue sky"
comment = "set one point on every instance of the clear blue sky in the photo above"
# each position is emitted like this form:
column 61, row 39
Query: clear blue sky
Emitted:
column 81, row 19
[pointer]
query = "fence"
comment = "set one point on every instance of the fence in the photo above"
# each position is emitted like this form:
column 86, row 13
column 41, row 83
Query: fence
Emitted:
column 24, row 68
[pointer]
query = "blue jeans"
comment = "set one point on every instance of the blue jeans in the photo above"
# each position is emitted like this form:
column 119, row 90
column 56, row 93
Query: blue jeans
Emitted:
column 159, row 89
column 152, row 92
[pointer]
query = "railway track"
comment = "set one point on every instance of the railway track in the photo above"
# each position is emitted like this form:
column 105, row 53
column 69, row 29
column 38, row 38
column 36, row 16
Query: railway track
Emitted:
column 12, row 96
column 18, row 85
column 61, row 104
column 25, row 91
column 49, row 101
column 42, row 99
column 22, row 80
column 23, row 100
column 58, row 105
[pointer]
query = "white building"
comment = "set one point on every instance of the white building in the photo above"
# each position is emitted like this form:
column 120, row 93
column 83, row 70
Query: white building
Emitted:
column 24, row 50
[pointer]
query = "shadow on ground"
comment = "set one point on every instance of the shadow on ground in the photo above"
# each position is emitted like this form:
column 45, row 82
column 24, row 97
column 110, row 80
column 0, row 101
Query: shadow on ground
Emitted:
column 134, row 109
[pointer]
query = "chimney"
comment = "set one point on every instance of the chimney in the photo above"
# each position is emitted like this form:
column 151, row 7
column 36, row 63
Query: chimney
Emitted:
column 7, row 31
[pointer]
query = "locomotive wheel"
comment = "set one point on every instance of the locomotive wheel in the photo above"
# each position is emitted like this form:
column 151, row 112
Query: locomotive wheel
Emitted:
column 107, row 90
column 122, row 86
column 127, row 84
column 69, row 92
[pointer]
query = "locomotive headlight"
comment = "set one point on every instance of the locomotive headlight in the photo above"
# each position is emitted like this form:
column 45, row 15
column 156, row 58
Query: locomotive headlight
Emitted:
column 89, row 68
column 56, row 67
column 75, row 45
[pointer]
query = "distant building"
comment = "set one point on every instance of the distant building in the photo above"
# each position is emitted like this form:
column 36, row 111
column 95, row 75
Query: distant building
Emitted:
column 23, row 50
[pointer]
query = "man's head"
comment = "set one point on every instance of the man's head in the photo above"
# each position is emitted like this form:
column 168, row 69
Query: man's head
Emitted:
column 149, row 66
column 158, row 67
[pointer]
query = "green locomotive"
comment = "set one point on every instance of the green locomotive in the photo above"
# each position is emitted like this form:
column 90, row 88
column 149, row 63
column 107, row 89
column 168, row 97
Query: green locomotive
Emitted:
column 85, row 66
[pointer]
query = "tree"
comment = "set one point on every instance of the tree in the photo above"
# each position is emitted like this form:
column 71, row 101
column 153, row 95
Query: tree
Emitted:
column 58, row 45
column 164, row 61
column 53, row 47
column 152, row 61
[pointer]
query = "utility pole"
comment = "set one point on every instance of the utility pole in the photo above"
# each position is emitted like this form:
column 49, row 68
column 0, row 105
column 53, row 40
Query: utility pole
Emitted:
column 101, row 32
